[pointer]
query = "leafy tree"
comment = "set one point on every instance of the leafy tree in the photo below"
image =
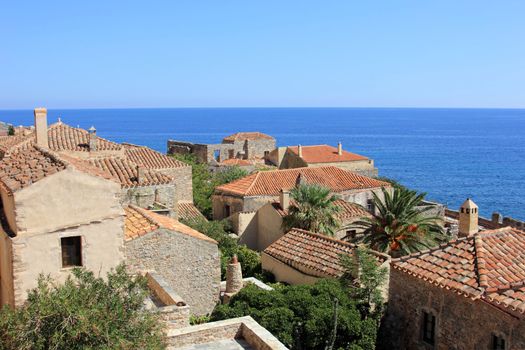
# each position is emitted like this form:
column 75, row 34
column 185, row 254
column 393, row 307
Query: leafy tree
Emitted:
column 402, row 224
column 313, row 208
column 10, row 130
column 86, row 312
column 230, row 174
column 228, row 246
column 302, row 316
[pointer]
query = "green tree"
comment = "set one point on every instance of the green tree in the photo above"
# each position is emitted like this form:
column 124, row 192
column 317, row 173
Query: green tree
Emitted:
column 85, row 312
column 10, row 130
column 402, row 223
column 313, row 208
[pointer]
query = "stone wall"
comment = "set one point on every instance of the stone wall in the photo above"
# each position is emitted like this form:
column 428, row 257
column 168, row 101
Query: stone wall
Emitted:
column 144, row 196
column 462, row 323
column 183, row 182
column 6, row 271
column 189, row 265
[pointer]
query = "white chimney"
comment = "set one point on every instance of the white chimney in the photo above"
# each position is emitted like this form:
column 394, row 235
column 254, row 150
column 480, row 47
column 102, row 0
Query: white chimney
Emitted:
column 141, row 174
column 92, row 139
column 284, row 199
column 300, row 151
column 41, row 127
column 340, row 149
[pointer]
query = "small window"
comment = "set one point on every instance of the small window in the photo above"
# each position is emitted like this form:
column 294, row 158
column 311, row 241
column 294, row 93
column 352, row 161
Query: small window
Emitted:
column 350, row 235
column 370, row 205
column 217, row 155
column 462, row 210
column 429, row 328
column 71, row 251
column 227, row 211
column 266, row 154
column 498, row 343
column 231, row 153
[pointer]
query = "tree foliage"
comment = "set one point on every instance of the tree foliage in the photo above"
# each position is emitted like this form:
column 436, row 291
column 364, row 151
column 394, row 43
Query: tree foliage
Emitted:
column 85, row 312
column 402, row 223
column 229, row 246
column 313, row 208
column 204, row 181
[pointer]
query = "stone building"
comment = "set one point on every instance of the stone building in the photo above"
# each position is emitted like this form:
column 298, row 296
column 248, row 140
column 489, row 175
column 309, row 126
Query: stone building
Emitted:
column 56, row 214
column 302, row 257
column 468, row 293
column 325, row 155
column 254, row 146
column 186, row 259
column 270, row 220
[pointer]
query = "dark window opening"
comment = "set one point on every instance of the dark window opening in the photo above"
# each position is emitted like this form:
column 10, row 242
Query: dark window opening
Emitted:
column 217, row 155
column 462, row 210
column 227, row 211
column 266, row 154
column 71, row 251
column 429, row 328
column 498, row 343
column 350, row 235
column 231, row 153
column 370, row 205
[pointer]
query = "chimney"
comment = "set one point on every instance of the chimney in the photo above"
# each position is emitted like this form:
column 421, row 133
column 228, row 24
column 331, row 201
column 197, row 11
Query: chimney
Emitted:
column 92, row 139
column 300, row 151
column 234, row 282
column 141, row 174
column 41, row 127
column 284, row 199
column 340, row 149
column 496, row 218
column 468, row 218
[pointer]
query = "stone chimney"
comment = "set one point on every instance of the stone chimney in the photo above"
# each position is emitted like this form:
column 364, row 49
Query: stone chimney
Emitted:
column 234, row 282
column 141, row 174
column 41, row 127
column 300, row 151
column 92, row 139
column 468, row 218
column 340, row 149
column 496, row 218
column 284, row 199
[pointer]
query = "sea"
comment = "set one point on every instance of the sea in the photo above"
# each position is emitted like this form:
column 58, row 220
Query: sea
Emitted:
column 450, row 154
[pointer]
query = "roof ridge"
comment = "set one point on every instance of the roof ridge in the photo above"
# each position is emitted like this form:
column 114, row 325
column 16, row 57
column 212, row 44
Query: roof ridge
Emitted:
column 255, row 178
column 431, row 250
column 481, row 267
column 320, row 235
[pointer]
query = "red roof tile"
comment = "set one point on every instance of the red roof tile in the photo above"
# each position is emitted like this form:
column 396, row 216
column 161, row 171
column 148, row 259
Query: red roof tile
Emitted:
column 311, row 253
column 269, row 183
column 325, row 154
column 64, row 137
column 140, row 222
column 243, row 136
column 188, row 211
column 236, row 161
column 151, row 159
column 488, row 264
column 127, row 172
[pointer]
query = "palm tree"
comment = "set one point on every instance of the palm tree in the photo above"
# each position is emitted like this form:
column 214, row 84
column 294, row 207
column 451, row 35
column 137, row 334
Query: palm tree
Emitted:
column 313, row 208
column 402, row 224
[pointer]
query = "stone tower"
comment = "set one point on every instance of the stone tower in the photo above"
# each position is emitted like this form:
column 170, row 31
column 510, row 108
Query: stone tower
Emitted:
column 468, row 218
column 234, row 282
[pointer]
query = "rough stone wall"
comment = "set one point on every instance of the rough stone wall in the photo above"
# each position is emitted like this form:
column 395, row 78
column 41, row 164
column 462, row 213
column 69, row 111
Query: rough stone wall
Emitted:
column 145, row 196
column 220, row 201
column 461, row 323
column 182, row 181
column 189, row 265
column 180, row 147
column 33, row 254
column 6, row 271
column 257, row 148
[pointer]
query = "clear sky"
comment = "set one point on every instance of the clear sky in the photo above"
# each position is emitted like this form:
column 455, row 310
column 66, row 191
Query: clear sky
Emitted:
column 283, row 53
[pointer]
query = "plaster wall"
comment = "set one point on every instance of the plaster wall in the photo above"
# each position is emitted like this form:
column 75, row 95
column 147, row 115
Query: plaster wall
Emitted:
column 284, row 272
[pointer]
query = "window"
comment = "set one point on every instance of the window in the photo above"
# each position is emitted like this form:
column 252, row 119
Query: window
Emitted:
column 498, row 343
column 217, row 155
column 350, row 235
column 370, row 205
column 266, row 154
column 231, row 153
column 227, row 211
column 429, row 328
column 71, row 251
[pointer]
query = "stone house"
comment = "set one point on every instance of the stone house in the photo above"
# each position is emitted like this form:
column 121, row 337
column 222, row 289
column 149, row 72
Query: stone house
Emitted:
column 254, row 146
column 325, row 155
column 186, row 259
column 302, row 257
column 270, row 220
column 56, row 214
column 468, row 293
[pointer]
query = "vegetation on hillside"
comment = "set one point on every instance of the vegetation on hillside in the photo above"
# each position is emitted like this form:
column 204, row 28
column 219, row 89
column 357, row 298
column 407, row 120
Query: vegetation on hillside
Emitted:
column 312, row 208
column 85, row 312
column 332, row 314
column 205, row 182
column 402, row 223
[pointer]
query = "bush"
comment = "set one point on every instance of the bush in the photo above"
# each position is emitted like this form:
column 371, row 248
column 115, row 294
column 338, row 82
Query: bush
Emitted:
column 84, row 312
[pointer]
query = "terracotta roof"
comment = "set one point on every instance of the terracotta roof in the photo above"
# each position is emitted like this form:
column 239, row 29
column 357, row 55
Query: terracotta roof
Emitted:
column 325, row 154
column 7, row 142
column 489, row 265
column 348, row 210
column 236, row 161
column 269, row 183
column 188, row 211
column 25, row 165
column 127, row 173
column 151, row 159
column 140, row 222
column 312, row 253
column 64, row 137
column 243, row 136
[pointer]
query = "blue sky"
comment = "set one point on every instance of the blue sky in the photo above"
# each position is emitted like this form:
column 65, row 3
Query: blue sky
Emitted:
column 71, row 54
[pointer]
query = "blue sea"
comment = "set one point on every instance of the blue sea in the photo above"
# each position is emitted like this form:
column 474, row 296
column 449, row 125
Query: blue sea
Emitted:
column 450, row 154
